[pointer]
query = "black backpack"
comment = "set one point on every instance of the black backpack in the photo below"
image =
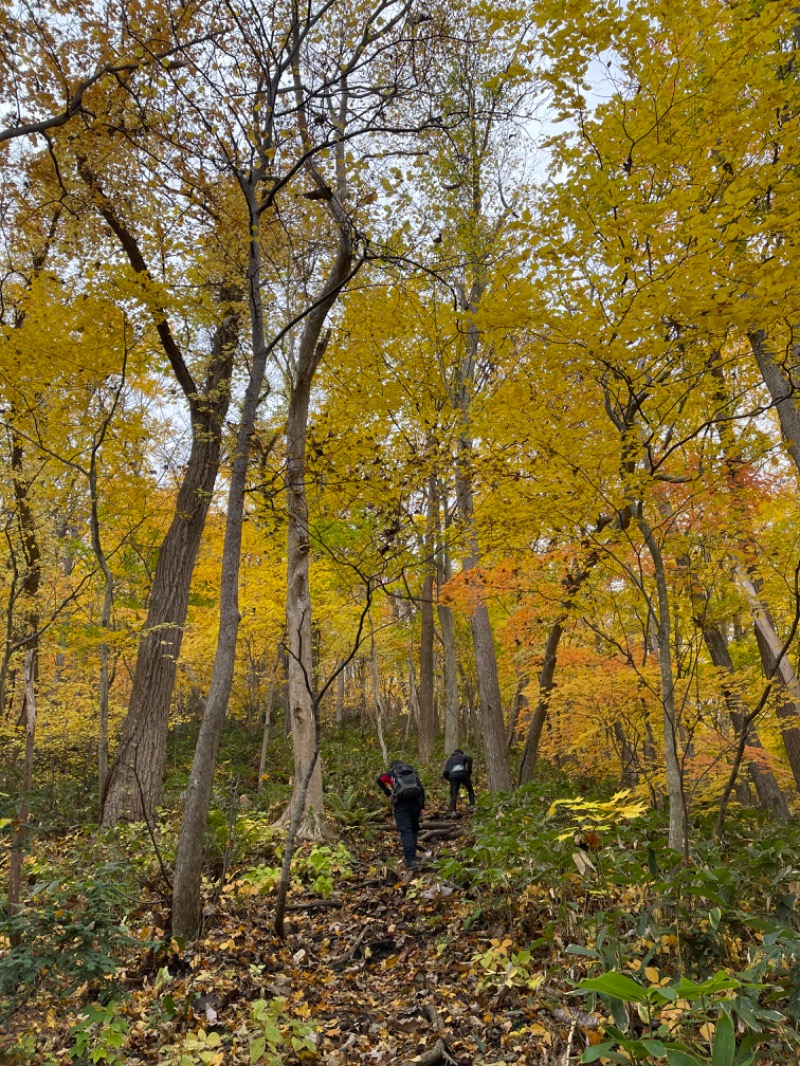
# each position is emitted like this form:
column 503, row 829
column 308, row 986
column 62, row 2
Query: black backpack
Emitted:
column 457, row 768
column 405, row 784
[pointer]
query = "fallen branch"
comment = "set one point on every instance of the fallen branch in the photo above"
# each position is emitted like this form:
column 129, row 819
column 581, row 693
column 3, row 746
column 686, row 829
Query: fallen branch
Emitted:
column 438, row 1053
column 441, row 834
column 433, row 1016
column 351, row 954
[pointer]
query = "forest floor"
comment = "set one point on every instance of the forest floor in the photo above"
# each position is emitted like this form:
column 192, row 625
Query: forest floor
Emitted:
column 383, row 969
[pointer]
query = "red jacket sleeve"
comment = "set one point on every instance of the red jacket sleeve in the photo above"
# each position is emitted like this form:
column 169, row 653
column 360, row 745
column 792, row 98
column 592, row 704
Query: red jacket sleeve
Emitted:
column 385, row 783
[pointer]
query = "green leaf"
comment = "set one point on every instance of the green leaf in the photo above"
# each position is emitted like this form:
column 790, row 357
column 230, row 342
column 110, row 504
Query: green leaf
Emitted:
column 681, row 1058
column 576, row 949
column 604, row 1051
column 257, row 1049
column 724, row 1047
column 617, row 985
column 654, row 1048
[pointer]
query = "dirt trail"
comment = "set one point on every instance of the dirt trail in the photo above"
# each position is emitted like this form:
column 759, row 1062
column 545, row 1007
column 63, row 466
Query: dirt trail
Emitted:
column 385, row 969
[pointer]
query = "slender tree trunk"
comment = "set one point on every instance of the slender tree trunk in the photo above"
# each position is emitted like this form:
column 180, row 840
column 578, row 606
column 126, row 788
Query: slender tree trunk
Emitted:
column 520, row 702
column 428, row 724
column 376, row 694
column 453, row 726
column 767, row 788
column 546, row 682
column 340, row 679
column 627, row 755
column 20, row 825
column 771, row 647
column 262, row 761
column 298, row 595
column 782, row 392
column 189, row 859
column 29, row 589
column 678, row 840
column 491, row 706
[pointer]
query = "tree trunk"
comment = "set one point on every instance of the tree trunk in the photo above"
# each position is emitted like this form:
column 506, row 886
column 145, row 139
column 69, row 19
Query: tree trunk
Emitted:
column 491, row 706
column 135, row 778
column 340, row 679
column 520, row 702
column 428, row 724
column 767, row 788
column 453, row 726
column 678, row 840
column 771, row 648
column 298, row 594
column 782, row 393
column 29, row 589
column 376, row 694
column 20, row 824
column 627, row 755
column 262, row 761
column 546, row 680
column 189, row 859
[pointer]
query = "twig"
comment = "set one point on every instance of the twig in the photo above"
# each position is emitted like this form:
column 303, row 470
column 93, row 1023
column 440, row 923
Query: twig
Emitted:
column 570, row 1038
column 154, row 842
column 359, row 940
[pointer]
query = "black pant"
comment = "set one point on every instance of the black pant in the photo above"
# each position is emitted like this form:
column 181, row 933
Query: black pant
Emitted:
column 455, row 786
column 406, row 818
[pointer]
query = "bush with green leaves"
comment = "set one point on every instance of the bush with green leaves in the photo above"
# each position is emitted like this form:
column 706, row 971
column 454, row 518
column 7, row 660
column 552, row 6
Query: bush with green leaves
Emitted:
column 720, row 1021
column 279, row 1032
column 317, row 868
column 69, row 931
column 99, row 1036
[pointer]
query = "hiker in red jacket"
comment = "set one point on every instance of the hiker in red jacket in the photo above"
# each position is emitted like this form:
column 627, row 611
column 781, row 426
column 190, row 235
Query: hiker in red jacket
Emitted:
column 458, row 771
column 407, row 793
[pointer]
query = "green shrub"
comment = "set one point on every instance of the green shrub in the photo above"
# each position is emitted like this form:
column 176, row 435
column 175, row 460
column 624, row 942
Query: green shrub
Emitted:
column 71, row 932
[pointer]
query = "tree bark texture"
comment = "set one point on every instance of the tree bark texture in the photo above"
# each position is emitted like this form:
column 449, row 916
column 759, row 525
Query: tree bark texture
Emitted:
column 29, row 590
column 771, row 648
column 135, row 780
column 782, row 392
column 189, row 859
column 298, row 594
column 546, row 682
column 675, row 793
column 428, row 725
column 767, row 788
column 492, row 726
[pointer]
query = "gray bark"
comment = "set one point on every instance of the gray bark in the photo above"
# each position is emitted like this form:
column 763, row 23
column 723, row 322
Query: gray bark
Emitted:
column 492, row 726
column 189, row 859
column 376, row 694
column 782, row 391
column 771, row 649
column 428, row 725
column 767, row 788
column 262, row 760
column 678, row 840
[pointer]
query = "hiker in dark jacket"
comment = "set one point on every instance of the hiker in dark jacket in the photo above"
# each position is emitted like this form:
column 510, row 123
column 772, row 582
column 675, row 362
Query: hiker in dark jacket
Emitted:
column 458, row 771
column 407, row 793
